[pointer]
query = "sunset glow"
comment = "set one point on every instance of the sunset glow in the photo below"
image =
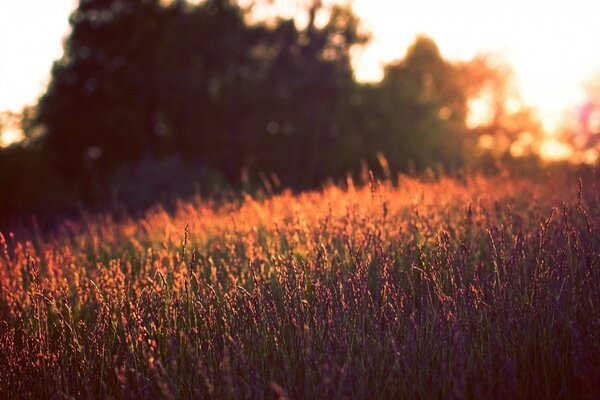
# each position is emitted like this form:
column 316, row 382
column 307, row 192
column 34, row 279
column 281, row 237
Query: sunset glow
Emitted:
column 552, row 46
column 299, row 199
column 553, row 149
column 31, row 35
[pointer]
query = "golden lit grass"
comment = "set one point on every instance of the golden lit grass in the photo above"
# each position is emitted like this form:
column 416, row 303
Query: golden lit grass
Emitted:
column 473, row 287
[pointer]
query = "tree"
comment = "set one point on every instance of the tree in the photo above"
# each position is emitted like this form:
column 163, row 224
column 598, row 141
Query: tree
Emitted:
column 101, row 103
column 498, row 119
column 416, row 114
column 306, row 81
column 145, row 79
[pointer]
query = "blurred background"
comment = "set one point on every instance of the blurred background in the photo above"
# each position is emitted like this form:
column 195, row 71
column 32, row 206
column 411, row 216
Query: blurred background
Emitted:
column 130, row 102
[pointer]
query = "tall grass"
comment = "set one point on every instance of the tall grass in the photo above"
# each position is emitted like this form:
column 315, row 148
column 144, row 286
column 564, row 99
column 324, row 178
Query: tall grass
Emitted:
column 445, row 288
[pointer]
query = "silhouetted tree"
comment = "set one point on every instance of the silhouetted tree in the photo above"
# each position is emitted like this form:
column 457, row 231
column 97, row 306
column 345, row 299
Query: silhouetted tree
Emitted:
column 416, row 114
column 102, row 102
column 306, row 83
column 210, row 68
column 141, row 79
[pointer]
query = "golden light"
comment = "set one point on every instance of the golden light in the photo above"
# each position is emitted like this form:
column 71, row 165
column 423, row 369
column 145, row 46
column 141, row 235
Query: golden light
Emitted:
column 595, row 121
column 480, row 111
column 10, row 136
column 554, row 150
column 486, row 142
column 552, row 46
column 523, row 145
column 31, row 34
column 591, row 156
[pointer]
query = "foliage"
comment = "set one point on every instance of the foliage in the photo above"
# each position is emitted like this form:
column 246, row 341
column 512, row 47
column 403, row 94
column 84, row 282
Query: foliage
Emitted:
column 416, row 114
column 435, row 288
column 246, row 101
column 98, row 108
column 153, row 79
column 29, row 185
column 140, row 79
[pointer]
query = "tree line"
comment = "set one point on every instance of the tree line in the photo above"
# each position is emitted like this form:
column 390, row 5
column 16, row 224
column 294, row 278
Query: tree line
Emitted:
column 210, row 87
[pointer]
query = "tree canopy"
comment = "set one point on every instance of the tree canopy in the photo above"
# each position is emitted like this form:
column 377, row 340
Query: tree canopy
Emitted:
column 211, row 86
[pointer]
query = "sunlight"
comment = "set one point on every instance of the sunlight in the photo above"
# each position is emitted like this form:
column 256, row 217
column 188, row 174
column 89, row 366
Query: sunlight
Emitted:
column 552, row 46
column 590, row 156
column 595, row 122
column 480, row 111
column 522, row 146
column 10, row 136
column 554, row 150
column 32, row 33
column 209, row 199
column 486, row 142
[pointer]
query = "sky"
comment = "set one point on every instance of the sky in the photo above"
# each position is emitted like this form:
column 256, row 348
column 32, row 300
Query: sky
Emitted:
column 553, row 45
column 31, row 34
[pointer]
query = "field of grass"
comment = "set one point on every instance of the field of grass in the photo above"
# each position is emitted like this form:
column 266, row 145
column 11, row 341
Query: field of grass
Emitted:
column 418, row 288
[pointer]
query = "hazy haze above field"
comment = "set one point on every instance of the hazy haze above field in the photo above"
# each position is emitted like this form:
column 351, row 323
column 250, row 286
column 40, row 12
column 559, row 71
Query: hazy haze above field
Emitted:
column 552, row 46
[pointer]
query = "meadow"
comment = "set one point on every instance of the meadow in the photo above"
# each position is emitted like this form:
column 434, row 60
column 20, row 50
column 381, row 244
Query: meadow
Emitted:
column 416, row 288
